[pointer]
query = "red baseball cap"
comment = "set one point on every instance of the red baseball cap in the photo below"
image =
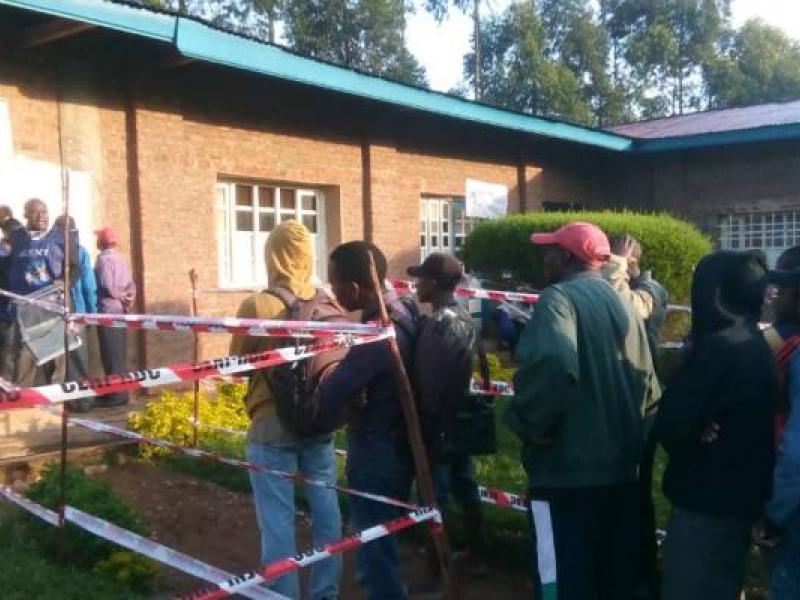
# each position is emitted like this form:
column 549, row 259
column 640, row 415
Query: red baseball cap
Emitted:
column 584, row 240
column 107, row 236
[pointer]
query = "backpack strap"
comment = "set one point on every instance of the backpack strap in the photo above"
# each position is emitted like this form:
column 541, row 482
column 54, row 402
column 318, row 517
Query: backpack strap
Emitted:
column 298, row 310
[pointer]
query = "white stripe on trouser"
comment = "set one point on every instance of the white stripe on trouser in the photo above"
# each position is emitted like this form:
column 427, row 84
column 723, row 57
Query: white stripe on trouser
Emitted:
column 545, row 548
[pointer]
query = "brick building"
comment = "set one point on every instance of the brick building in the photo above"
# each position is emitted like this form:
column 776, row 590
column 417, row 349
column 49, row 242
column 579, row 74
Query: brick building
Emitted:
column 194, row 143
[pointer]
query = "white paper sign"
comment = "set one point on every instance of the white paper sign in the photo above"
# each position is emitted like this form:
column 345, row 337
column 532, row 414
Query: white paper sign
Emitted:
column 486, row 200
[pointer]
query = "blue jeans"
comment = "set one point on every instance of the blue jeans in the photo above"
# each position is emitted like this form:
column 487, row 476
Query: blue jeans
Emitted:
column 454, row 475
column 786, row 570
column 375, row 465
column 275, row 511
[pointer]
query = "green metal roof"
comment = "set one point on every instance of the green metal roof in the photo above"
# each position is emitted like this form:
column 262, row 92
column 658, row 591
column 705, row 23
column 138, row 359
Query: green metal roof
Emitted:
column 197, row 40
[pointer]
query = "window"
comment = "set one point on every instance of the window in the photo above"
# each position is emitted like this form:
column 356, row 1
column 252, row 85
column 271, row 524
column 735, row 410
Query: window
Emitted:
column 772, row 232
column 444, row 225
column 247, row 212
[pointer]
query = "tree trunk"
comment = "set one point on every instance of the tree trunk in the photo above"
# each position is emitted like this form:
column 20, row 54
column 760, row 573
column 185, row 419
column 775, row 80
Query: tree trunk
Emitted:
column 476, row 22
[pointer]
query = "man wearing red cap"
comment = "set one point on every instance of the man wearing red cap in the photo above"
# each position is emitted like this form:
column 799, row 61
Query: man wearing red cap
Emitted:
column 585, row 377
column 116, row 293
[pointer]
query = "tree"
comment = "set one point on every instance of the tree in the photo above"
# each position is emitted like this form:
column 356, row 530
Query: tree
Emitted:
column 666, row 44
column 518, row 72
column 756, row 64
column 361, row 34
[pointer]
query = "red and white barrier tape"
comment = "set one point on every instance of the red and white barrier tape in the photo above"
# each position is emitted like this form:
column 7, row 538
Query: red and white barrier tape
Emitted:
column 235, row 326
column 163, row 554
column 287, row 565
column 235, row 462
column 402, row 285
column 43, row 304
column 45, row 514
column 161, row 376
column 497, row 388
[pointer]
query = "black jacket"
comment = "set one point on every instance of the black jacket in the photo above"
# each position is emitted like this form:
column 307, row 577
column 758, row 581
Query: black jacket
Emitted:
column 727, row 376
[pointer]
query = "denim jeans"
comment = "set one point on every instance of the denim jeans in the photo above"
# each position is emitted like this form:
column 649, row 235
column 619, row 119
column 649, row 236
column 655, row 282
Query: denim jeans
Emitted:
column 275, row 511
column 375, row 465
column 455, row 475
column 704, row 556
column 786, row 570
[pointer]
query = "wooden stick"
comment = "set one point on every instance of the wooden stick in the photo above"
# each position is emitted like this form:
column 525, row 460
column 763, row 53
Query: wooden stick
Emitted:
column 193, row 278
column 421, row 464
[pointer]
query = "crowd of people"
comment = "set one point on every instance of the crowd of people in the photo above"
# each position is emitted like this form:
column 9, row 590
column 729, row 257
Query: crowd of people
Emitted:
column 33, row 263
column 591, row 406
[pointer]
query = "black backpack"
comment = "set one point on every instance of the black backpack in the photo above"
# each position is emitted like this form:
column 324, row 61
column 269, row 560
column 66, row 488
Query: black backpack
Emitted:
column 444, row 352
column 293, row 386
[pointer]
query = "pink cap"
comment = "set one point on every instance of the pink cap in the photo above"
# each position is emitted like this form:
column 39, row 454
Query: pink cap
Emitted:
column 584, row 240
column 106, row 236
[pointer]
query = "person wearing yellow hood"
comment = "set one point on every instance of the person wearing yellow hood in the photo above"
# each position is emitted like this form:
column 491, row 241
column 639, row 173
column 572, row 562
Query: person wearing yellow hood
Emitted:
column 289, row 260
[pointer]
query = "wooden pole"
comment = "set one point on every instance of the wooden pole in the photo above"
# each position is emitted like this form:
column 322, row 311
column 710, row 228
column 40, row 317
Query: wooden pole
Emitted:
column 421, row 464
column 193, row 278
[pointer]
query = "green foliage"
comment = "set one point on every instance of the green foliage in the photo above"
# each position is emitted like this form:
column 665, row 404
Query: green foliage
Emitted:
column 90, row 495
column 26, row 575
column 671, row 247
column 758, row 63
column 129, row 569
column 170, row 418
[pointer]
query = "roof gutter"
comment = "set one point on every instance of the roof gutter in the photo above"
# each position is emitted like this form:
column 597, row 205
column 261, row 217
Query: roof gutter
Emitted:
column 719, row 138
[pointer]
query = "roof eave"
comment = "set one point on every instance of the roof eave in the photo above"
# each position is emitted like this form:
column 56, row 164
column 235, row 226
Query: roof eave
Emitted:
column 718, row 138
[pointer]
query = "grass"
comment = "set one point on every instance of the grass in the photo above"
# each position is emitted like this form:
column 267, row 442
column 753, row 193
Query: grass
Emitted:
column 26, row 575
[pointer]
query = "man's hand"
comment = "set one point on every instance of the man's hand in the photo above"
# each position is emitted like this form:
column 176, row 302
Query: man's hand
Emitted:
column 623, row 246
column 711, row 434
column 765, row 536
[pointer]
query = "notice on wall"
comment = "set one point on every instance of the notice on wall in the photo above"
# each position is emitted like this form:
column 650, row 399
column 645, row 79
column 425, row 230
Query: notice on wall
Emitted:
column 6, row 143
column 486, row 200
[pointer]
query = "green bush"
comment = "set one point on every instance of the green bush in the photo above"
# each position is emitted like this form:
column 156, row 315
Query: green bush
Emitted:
column 129, row 569
column 81, row 548
column 169, row 418
column 671, row 247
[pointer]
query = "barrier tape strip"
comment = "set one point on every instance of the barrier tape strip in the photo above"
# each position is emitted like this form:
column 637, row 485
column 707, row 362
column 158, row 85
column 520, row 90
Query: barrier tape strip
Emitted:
column 235, row 326
column 45, row 514
column 43, row 304
column 496, row 388
column 161, row 376
column 159, row 553
column 235, row 462
column 281, row 567
column 402, row 285
column 488, row 495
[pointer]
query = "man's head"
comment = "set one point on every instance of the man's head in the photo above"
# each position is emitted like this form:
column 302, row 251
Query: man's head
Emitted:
column 36, row 217
column 439, row 274
column 350, row 275
column 786, row 279
column 9, row 226
column 574, row 248
column 106, row 238
column 61, row 220
column 5, row 213
column 629, row 248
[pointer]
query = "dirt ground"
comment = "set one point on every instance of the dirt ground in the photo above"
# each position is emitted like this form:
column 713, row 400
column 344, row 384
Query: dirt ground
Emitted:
column 219, row 527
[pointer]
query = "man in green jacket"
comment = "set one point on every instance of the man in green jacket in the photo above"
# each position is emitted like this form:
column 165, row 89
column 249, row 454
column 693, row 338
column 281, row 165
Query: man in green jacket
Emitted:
column 585, row 379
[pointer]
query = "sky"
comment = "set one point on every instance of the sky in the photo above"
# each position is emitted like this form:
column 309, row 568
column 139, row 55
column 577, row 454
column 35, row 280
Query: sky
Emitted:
column 441, row 47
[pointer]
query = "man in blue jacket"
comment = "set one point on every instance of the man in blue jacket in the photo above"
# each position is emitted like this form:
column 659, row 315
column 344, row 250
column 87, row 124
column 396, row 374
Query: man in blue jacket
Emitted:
column 783, row 511
column 363, row 388
column 83, row 294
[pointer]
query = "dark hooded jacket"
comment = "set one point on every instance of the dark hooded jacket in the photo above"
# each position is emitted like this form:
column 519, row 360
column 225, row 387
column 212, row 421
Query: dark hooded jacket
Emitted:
column 727, row 376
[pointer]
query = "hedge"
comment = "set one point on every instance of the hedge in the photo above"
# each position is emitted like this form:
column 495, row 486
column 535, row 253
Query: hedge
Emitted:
column 501, row 249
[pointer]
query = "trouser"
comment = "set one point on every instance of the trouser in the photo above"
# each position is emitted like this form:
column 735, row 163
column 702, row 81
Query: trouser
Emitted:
column 785, row 583
column 27, row 372
column 113, row 353
column 585, row 542
column 648, row 584
column 704, row 556
column 275, row 511
column 374, row 464
column 77, row 368
column 455, row 475
column 7, row 357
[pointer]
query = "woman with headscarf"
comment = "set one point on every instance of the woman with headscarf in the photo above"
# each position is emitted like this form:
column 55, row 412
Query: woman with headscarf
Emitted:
column 715, row 422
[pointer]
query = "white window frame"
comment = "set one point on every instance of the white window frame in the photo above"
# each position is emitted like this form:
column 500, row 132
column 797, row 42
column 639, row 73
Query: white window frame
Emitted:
column 249, row 271
column 444, row 224
column 769, row 231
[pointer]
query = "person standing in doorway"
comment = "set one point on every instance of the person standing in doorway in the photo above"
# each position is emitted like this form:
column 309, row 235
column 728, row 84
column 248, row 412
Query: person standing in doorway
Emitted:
column 7, row 328
column 116, row 293
column 584, row 380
